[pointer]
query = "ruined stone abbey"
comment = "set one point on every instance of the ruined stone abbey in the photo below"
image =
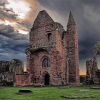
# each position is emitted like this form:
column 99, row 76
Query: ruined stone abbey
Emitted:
column 92, row 67
column 52, row 55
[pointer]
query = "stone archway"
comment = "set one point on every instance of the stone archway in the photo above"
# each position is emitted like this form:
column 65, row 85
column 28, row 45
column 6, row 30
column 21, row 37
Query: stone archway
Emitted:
column 46, row 78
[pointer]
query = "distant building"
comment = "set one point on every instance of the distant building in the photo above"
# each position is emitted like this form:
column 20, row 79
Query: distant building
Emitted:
column 53, row 52
column 92, row 70
column 10, row 71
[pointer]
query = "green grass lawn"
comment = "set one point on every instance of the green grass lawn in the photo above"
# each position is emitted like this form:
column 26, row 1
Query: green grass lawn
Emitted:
column 47, row 93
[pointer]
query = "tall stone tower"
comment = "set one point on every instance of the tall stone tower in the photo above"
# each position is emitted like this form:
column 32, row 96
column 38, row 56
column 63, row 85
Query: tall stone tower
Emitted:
column 46, row 54
column 72, row 51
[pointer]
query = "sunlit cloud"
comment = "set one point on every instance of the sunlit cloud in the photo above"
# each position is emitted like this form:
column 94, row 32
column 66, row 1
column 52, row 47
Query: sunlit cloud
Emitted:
column 15, row 13
column 20, row 7
column 20, row 13
column 33, row 5
column 6, row 22
column 23, row 32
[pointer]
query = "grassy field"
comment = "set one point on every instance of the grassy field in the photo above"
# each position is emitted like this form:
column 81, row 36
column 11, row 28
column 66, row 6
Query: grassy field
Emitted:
column 48, row 93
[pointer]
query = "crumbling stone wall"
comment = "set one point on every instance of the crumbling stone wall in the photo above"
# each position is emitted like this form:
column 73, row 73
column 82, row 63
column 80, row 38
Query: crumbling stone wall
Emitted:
column 9, row 70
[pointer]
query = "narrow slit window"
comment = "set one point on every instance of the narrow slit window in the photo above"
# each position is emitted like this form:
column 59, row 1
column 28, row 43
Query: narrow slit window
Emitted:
column 49, row 36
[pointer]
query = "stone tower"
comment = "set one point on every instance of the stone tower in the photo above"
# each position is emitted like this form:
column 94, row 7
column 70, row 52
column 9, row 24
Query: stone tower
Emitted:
column 47, row 56
column 72, row 51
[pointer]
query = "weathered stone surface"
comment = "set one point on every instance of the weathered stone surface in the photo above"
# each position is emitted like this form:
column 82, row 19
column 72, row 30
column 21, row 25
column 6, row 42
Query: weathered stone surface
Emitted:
column 53, row 53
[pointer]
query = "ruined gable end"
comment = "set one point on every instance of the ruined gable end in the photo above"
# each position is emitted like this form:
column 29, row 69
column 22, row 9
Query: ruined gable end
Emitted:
column 42, row 19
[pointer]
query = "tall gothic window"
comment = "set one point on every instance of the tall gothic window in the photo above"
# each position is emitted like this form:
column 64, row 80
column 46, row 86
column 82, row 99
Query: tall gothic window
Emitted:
column 45, row 62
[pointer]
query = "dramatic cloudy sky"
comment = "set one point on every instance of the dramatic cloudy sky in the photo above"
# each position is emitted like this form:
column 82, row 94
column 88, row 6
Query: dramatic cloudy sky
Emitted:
column 17, row 16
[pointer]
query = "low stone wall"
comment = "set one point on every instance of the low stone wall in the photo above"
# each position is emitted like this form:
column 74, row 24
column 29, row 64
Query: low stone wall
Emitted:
column 22, row 79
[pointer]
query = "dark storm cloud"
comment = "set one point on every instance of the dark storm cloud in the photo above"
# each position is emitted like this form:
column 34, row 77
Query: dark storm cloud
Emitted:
column 12, row 43
column 87, row 17
column 8, row 31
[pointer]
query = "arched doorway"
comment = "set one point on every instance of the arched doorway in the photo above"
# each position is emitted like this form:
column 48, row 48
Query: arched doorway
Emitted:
column 46, row 79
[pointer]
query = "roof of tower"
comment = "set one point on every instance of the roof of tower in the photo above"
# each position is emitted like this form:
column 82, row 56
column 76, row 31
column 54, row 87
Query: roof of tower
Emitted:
column 42, row 19
column 71, row 20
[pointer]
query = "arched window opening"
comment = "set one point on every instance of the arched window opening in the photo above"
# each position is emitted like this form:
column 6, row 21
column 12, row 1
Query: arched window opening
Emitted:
column 45, row 62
